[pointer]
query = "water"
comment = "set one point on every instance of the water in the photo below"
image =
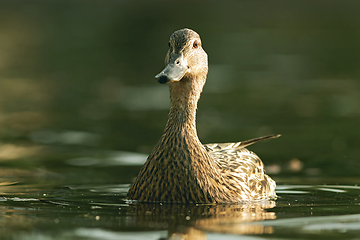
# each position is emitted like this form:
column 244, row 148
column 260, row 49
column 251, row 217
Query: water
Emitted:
column 81, row 202
column 80, row 110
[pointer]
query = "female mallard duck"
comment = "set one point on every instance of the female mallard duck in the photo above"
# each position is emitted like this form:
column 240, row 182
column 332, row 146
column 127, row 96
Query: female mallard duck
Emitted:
column 182, row 170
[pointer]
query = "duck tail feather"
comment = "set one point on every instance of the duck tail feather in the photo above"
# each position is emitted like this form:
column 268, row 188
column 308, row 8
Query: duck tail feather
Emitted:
column 255, row 140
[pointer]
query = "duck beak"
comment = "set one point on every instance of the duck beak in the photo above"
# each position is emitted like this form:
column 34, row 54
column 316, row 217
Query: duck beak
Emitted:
column 174, row 70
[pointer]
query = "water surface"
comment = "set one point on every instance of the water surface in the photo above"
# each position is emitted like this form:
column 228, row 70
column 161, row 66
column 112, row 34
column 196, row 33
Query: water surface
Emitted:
column 68, row 201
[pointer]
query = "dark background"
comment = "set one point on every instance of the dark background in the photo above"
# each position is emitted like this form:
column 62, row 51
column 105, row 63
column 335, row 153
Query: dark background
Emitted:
column 80, row 74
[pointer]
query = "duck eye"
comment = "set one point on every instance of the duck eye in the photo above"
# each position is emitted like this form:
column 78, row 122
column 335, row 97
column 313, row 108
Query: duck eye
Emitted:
column 195, row 44
column 169, row 44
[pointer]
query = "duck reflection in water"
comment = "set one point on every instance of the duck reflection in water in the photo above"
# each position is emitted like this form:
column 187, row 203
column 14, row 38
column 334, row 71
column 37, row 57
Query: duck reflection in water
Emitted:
column 181, row 169
column 191, row 221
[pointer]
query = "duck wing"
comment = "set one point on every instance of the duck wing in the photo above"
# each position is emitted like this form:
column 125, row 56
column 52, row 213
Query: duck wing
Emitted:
column 212, row 147
column 243, row 167
column 231, row 156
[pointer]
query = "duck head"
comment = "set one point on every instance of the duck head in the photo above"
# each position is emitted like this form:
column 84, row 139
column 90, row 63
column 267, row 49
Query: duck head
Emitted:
column 185, row 59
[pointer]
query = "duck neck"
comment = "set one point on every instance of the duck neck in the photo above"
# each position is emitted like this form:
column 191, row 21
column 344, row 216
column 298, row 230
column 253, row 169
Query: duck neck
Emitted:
column 184, row 97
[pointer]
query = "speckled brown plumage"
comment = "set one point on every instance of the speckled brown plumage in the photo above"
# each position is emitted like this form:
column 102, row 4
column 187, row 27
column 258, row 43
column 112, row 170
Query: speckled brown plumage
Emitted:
column 182, row 170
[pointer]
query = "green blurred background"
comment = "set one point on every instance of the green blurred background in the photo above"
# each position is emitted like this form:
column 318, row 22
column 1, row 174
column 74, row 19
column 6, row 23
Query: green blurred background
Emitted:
column 80, row 75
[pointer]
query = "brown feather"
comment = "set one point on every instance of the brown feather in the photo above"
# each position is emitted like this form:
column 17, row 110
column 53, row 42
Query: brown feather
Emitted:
column 182, row 170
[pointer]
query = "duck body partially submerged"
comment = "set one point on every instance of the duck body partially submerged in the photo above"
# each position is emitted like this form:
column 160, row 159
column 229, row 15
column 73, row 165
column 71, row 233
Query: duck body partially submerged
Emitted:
column 180, row 169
